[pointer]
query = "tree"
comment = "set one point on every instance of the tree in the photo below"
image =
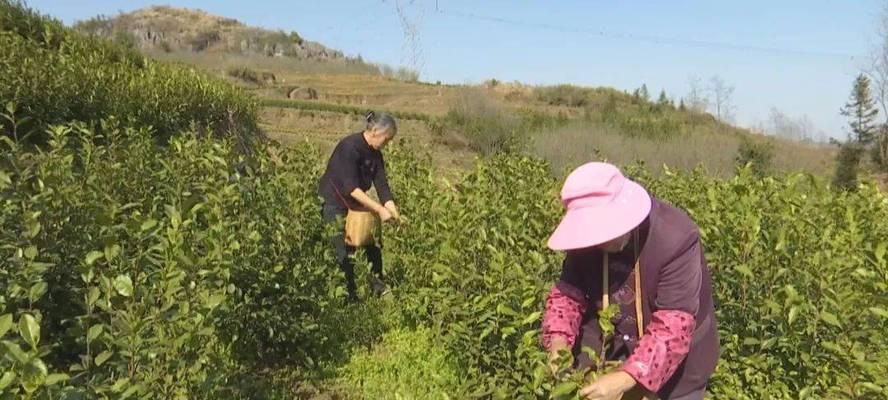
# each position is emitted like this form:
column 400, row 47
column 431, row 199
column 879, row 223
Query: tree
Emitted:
column 722, row 95
column 861, row 111
column 847, row 166
column 663, row 100
column 681, row 104
column 696, row 98
column 643, row 93
column 787, row 127
column 878, row 73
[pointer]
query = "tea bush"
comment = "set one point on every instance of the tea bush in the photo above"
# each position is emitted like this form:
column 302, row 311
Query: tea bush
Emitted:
column 138, row 270
column 57, row 75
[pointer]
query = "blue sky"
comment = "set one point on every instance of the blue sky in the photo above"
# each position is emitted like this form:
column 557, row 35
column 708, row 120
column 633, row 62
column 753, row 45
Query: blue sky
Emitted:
column 594, row 43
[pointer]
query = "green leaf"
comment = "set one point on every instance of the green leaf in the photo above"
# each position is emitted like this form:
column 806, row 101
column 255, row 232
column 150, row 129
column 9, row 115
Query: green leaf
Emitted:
column 7, row 379
column 94, row 332
column 533, row 317
column 124, row 285
column 564, row 389
column 215, row 300
column 37, row 291
column 111, row 252
column 793, row 313
column 278, row 268
column 93, row 296
column 744, row 270
column 872, row 387
column 92, row 256
column 31, row 252
column 148, row 225
column 751, row 341
column 830, row 318
column 56, row 378
column 505, row 310
column 34, row 375
column 878, row 311
column 5, row 324
column 5, row 181
column 119, row 384
column 15, row 351
column 880, row 251
column 30, row 330
column 130, row 391
column 102, row 357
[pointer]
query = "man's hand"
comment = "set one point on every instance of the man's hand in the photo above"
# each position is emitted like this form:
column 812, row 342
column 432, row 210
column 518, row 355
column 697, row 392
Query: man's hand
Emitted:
column 611, row 386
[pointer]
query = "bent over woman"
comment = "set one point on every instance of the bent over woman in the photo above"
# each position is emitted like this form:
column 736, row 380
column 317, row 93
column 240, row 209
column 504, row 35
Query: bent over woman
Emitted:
column 627, row 248
column 355, row 165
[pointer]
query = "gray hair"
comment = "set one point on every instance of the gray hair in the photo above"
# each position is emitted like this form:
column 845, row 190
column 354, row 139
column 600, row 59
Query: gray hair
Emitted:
column 382, row 122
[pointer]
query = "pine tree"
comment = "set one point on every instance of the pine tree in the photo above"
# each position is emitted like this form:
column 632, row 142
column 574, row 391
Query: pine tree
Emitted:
column 663, row 100
column 861, row 111
column 643, row 93
column 681, row 105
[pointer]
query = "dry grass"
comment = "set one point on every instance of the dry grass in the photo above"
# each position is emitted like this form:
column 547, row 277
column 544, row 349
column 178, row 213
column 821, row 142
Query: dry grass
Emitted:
column 325, row 129
column 582, row 141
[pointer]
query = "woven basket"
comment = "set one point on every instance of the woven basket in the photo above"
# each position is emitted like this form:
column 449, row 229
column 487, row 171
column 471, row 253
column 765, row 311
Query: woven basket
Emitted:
column 360, row 228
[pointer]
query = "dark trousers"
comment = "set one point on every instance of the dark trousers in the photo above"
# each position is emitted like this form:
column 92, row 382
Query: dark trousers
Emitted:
column 345, row 253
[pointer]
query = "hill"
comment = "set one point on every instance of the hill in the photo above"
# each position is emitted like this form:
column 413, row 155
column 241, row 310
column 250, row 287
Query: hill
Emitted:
column 311, row 92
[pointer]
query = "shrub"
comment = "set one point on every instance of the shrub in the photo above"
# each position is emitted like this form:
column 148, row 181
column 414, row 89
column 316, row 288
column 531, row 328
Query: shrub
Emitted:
column 847, row 166
column 760, row 154
column 59, row 75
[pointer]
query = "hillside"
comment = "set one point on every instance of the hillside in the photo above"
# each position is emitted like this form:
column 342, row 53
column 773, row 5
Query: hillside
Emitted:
column 314, row 93
column 177, row 29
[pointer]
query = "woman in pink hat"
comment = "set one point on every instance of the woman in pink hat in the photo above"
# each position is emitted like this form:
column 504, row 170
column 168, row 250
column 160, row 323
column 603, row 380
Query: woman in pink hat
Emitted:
column 627, row 248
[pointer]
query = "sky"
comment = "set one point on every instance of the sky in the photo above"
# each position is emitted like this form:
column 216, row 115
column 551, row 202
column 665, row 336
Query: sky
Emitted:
column 799, row 56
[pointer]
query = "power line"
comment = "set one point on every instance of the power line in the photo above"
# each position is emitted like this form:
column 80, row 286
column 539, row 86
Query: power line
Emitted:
column 646, row 38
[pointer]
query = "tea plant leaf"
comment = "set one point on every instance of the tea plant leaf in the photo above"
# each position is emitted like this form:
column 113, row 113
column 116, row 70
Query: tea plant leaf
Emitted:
column 102, row 357
column 830, row 318
column 15, row 351
column 564, row 389
column 877, row 311
column 123, row 285
column 29, row 329
column 94, row 332
column 37, row 291
column 5, row 324
column 6, row 379
column 92, row 256
column 53, row 379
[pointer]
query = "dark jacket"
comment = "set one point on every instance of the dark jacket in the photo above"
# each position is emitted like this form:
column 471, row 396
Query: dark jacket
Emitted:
column 674, row 276
column 353, row 164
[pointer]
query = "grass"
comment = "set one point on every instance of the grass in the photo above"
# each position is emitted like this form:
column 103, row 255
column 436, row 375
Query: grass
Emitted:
column 583, row 141
column 338, row 108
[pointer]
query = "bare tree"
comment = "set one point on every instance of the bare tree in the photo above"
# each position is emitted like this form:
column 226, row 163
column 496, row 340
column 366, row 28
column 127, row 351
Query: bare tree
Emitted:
column 696, row 99
column 722, row 95
column 878, row 74
column 787, row 127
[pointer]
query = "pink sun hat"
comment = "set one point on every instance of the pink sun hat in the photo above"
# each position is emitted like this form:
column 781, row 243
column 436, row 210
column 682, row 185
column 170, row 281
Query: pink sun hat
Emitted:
column 602, row 205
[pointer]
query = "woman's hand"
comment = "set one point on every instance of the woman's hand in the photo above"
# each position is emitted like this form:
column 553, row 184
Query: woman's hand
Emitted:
column 390, row 206
column 611, row 386
column 384, row 214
